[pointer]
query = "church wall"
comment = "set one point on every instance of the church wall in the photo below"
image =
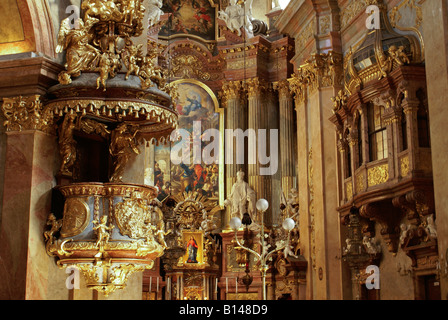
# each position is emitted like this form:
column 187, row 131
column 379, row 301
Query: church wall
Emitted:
column 396, row 281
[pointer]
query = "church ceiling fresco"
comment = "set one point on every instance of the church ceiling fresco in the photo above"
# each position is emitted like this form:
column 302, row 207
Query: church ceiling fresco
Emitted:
column 190, row 18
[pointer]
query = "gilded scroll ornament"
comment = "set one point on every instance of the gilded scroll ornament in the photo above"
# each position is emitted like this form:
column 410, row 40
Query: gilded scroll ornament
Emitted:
column 322, row 70
column 340, row 101
column 378, row 175
column 188, row 66
column 404, row 166
column 133, row 218
column 27, row 113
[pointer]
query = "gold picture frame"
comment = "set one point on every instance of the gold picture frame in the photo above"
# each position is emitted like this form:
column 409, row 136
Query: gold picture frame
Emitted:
column 193, row 242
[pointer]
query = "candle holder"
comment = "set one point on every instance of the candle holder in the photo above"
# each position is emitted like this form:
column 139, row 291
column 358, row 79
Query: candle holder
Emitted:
column 263, row 257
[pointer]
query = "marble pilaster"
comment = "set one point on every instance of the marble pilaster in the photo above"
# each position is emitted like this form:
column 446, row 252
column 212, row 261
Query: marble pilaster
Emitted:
column 436, row 38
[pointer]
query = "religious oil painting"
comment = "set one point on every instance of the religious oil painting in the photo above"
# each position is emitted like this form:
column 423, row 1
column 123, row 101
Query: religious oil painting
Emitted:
column 190, row 18
column 198, row 111
column 193, row 243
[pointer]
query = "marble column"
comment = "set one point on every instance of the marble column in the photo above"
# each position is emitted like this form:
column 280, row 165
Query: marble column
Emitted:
column 435, row 29
column 286, row 137
column 234, row 120
column 257, row 119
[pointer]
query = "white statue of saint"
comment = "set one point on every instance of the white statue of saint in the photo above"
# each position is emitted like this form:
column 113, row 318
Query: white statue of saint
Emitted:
column 154, row 9
column 237, row 17
column 431, row 227
column 242, row 198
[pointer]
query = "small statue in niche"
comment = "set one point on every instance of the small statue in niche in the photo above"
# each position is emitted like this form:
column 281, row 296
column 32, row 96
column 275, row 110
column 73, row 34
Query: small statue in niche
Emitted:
column 67, row 145
column 123, row 145
column 241, row 198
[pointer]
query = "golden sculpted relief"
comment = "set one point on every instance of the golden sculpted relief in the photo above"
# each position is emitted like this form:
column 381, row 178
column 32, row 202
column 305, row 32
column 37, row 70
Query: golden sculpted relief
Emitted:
column 27, row 113
column 101, row 42
column 123, row 235
column 321, row 70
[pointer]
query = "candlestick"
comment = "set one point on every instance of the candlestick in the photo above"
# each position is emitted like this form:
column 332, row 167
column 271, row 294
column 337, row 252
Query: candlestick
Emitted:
column 236, row 285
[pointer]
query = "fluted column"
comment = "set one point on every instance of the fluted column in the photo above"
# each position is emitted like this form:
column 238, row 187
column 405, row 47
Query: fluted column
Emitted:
column 234, row 119
column 257, row 119
column 286, row 136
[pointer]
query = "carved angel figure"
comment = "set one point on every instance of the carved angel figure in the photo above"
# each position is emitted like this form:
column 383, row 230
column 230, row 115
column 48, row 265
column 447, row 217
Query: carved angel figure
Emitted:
column 55, row 226
column 398, row 55
column 370, row 246
column 132, row 56
column 102, row 233
column 404, row 233
column 161, row 233
column 67, row 145
column 149, row 73
column 289, row 252
column 103, row 10
column 107, row 66
column 123, row 145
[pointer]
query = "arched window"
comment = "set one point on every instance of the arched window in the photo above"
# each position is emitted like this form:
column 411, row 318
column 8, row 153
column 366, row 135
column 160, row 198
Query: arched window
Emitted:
column 424, row 140
column 377, row 133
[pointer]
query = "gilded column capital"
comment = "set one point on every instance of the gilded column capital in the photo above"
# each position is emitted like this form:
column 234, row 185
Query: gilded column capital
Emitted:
column 255, row 86
column 27, row 113
column 321, row 70
column 230, row 89
column 283, row 88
